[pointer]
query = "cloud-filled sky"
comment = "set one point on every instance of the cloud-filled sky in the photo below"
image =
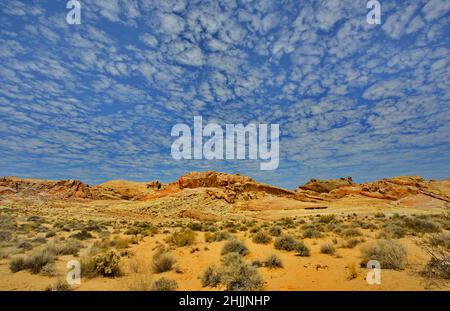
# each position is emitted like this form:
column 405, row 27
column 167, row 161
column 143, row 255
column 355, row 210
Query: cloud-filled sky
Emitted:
column 97, row 101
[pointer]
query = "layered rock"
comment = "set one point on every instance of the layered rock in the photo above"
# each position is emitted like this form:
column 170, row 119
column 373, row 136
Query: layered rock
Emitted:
column 232, row 186
column 61, row 189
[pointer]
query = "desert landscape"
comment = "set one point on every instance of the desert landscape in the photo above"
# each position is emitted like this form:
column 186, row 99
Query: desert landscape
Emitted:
column 218, row 231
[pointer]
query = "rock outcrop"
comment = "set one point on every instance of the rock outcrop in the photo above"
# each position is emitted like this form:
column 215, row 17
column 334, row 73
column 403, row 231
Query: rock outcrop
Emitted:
column 61, row 189
column 232, row 186
column 325, row 186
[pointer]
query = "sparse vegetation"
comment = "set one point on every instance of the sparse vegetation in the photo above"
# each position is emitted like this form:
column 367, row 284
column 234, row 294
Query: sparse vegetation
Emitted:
column 217, row 236
column 351, row 243
column 211, row 277
column 235, row 246
column 273, row 261
column 327, row 219
column 327, row 248
column 262, row 238
column 311, row 233
column 275, row 231
column 142, row 228
column 182, row 238
column 162, row 262
column 101, row 264
column 82, row 235
column 34, row 262
column 422, row 225
column 234, row 274
column 438, row 248
column 164, row 284
column 390, row 254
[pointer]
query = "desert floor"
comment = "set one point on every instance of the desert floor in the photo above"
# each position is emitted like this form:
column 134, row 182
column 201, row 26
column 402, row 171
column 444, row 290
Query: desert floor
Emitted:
column 50, row 235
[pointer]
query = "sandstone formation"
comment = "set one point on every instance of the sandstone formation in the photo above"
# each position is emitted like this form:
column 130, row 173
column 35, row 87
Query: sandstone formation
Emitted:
column 220, row 191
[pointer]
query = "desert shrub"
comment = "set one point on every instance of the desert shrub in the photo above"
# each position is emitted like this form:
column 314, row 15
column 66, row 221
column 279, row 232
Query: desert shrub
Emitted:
column 69, row 247
column 195, row 226
column 351, row 232
column 327, row 248
column 273, row 261
column 352, row 272
column 393, row 231
column 380, row 215
column 61, row 286
column 182, row 238
column 39, row 240
column 211, row 228
column 162, row 262
column 24, row 245
column 49, row 270
column 236, row 275
column 82, row 235
column 351, row 243
column 312, row 233
column 140, row 282
column 164, row 284
column 17, row 264
column 101, row 264
column 257, row 263
column 122, row 242
column 286, row 222
column 211, row 277
column 50, row 234
column 235, row 246
column 143, row 228
column 34, row 262
column 390, row 254
column 217, row 236
column 275, row 230
column 440, row 239
column 327, row 219
column 301, row 249
column 261, row 238
column 439, row 251
column 422, row 225
column 286, row 243
column 5, row 236
column 255, row 229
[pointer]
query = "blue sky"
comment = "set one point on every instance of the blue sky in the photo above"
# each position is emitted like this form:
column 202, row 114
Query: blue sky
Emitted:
column 97, row 101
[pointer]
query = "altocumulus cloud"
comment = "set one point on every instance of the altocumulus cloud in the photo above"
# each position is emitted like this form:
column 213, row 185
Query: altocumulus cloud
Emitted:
column 97, row 101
